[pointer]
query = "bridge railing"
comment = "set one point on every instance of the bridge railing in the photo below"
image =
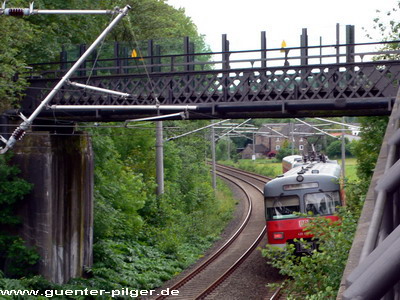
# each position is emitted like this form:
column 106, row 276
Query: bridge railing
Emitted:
column 372, row 270
column 329, row 77
column 224, row 60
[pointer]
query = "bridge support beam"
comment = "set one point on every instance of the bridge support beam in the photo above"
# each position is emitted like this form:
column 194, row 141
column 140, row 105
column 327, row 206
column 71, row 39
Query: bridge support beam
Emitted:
column 57, row 215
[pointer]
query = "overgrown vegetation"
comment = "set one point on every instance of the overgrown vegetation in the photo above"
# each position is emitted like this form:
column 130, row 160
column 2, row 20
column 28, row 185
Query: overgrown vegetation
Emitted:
column 188, row 210
column 367, row 149
column 16, row 259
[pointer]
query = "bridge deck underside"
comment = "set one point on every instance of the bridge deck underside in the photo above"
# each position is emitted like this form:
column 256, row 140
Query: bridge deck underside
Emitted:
column 323, row 90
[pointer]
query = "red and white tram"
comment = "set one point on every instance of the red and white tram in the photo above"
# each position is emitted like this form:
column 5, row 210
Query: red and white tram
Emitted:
column 312, row 188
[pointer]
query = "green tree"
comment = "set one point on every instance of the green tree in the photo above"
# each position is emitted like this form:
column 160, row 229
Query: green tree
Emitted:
column 16, row 259
column 226, row 149
column 17, row 35
column 334, row 149
column 119, row 191
column 367, row 149
column 285, row 151
column 39, row 38
column 387, row 26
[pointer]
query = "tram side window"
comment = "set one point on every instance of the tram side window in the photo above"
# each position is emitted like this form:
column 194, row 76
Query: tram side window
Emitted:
column 283, row 207
column 323, row 203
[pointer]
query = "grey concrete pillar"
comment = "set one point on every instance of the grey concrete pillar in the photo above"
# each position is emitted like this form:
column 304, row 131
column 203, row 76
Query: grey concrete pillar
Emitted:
column 57, row 216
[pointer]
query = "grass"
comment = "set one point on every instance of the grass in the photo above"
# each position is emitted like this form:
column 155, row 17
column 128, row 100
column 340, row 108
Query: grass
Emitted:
column 350, row 169
column 266, row 167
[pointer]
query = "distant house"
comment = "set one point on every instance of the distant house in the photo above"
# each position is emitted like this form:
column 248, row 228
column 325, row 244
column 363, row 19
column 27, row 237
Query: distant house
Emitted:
column 273, row 136
column 260, row 151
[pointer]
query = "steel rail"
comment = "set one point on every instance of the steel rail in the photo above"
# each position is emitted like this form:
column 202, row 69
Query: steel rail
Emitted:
column 246, row 254
column 224, row 276
column 277, row 294
column 242, row 258
column 201, row 267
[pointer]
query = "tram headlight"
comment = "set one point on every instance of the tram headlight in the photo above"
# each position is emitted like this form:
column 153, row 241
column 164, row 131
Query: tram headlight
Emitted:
column 300, row 178
column 278, row 235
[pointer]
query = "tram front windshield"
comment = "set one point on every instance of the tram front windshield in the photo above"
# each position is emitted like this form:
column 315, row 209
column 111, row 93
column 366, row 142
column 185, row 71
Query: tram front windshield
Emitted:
column 282, row 207
column 322, row 203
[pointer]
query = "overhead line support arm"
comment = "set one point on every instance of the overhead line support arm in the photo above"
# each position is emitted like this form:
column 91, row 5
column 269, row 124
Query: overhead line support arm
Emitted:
column 27, row 122
column 20, row 12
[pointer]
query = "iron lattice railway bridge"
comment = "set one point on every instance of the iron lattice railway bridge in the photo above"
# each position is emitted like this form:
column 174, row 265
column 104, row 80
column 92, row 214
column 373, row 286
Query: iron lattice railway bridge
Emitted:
column 307, row 81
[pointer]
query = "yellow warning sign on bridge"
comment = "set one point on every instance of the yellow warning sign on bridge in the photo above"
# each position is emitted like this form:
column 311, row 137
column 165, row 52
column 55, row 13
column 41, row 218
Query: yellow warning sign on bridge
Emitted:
column 283, row 46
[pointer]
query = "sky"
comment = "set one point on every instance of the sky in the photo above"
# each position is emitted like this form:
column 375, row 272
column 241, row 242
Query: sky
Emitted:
column 243, row 20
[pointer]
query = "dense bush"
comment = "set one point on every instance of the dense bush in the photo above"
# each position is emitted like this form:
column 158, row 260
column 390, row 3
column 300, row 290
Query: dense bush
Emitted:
column 367, row 149
column 16, row 259
column 334, row 149
column 285, row 150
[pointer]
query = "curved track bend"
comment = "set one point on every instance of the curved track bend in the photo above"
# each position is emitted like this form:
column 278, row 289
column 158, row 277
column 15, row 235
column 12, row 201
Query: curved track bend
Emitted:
column 213, row 271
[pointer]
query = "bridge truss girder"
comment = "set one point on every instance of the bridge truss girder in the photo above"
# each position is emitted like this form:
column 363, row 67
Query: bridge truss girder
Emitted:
column 314, row 91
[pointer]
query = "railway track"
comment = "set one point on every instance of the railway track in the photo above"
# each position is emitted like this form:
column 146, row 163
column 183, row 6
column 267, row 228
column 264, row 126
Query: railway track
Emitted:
column 207, row 276
column 256, row 179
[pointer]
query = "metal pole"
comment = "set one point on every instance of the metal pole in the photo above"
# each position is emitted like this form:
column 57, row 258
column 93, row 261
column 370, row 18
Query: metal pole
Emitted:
column 320, row 50
column 97, row 89
column 263, row 50
column 229, row 148
column 19, row 12
column 254, row 147
column 337, row 43
column 123, row 107
column 71, row 12
column 214, row 171
column 19, row 132
column 159, row 117
column 159, row 158
column 292, row 136
column 304, row 47
column 343, row 151
column 350, row 40
column 304, row 57
column 225, row 52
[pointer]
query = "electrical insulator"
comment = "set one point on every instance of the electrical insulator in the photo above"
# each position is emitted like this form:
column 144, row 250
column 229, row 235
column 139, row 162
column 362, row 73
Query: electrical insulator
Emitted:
column 17, row 12
column 18, row 134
